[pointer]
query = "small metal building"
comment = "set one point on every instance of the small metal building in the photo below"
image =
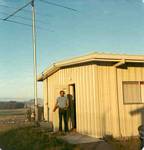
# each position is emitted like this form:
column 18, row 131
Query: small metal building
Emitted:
column 108, row 91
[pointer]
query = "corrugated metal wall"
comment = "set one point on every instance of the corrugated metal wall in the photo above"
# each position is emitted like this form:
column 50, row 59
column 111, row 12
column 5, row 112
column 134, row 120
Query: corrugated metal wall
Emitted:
column 96, row 103
column 131, row 115
column 96, row 98
column 45, row 96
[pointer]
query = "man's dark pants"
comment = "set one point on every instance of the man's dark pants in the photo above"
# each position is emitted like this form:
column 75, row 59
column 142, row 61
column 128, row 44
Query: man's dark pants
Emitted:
column 63, row 114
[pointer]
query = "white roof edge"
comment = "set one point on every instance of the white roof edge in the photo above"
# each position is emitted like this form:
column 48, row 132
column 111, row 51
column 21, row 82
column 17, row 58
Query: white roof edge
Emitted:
column 90, row 57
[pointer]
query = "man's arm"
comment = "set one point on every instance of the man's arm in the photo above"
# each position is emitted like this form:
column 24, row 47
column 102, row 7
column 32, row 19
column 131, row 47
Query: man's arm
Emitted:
column 56, row 106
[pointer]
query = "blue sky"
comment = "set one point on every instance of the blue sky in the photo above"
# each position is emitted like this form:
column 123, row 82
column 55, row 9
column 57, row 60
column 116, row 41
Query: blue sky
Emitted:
column 115, row 26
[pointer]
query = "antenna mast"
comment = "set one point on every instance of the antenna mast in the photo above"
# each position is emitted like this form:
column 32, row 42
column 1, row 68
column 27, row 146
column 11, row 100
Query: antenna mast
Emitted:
column 34, row 59
column 32, row 3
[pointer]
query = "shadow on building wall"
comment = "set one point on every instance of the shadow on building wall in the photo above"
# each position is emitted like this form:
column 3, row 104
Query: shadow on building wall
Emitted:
column 138, row 111
column 71, row 111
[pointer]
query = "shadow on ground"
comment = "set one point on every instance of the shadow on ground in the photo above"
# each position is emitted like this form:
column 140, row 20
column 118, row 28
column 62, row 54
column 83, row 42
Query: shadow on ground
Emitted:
column 96, row 146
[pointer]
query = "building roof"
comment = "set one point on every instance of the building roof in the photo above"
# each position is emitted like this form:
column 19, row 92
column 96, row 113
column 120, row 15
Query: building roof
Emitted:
column 119, row 59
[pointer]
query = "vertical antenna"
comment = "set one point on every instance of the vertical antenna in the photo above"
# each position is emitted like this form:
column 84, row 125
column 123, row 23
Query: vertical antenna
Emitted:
column 32, row 2
column 34, row 59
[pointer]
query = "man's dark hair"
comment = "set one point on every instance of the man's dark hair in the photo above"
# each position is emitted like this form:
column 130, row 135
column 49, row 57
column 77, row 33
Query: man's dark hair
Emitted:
column 62, row 91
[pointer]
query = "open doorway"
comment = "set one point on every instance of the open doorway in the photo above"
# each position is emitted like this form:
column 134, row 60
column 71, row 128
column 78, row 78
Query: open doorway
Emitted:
column 72, row 105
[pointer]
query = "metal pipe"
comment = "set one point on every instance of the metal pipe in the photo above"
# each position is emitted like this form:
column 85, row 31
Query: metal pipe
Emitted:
column 122, row 62
column 34, row 60
column 117, row 97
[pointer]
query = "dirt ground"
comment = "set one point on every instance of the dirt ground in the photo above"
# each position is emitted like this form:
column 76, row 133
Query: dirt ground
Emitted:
column 132, row 143
column 84, row 142
column 112, row 144
column 95, row 146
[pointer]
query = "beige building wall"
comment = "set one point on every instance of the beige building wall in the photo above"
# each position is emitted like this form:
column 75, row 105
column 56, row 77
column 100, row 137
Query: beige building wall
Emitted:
column 96, row 104
column 45, row 97
column 131, row 115
column 99, row 98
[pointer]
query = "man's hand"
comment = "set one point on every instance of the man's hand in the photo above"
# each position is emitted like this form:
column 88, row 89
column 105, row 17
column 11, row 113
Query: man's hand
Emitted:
column 55, row 108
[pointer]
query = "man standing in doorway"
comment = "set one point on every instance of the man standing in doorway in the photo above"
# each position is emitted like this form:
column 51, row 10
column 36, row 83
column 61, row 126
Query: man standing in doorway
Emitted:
column 62, row 104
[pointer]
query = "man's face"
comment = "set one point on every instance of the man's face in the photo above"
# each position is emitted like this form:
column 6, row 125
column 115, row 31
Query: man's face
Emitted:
column 62, row 94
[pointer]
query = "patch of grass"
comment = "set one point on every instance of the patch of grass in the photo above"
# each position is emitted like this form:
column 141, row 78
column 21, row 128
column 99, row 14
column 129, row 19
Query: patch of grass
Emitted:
column 30, row 138
column 131, row 143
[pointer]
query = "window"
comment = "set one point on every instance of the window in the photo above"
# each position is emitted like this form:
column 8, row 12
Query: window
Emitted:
column 142, row 91
column 133, row 92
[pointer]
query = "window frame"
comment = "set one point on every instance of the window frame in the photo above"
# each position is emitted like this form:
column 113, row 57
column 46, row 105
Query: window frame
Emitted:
column 131, row 82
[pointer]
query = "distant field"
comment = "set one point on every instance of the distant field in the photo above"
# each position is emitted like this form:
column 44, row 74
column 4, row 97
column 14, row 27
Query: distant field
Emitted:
column 12, row 118
column 10, row 112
